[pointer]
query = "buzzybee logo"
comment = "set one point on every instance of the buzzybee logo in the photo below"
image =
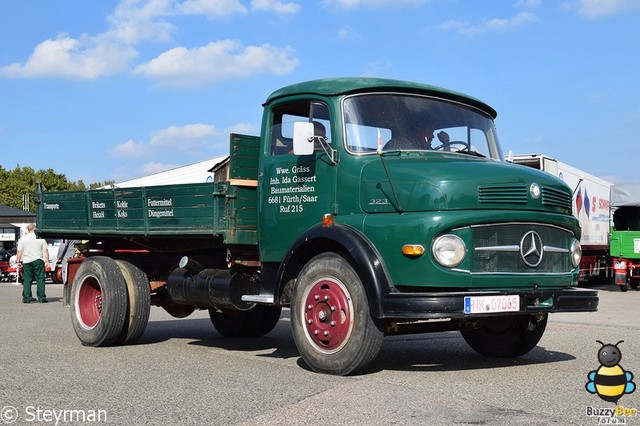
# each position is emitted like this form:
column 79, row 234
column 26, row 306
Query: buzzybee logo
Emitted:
column 610, row 381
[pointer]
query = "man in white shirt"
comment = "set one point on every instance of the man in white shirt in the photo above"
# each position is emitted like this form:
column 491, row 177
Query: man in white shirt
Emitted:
column 32, row 256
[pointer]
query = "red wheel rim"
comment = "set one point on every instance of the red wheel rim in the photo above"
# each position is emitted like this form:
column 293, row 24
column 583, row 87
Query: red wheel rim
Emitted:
column 328, row 315
column 89, row 302
column 58, row 273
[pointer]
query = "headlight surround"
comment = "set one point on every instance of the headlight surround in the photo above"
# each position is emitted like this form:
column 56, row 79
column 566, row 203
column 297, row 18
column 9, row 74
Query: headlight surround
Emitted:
column 576, row 253
column 449, row 250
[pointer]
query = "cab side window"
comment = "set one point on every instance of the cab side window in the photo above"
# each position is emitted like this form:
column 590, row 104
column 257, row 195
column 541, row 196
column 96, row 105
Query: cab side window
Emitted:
column 284, row 116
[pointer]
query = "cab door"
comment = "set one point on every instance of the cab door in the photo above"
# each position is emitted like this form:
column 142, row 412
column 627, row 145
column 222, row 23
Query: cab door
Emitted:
column 295, row 190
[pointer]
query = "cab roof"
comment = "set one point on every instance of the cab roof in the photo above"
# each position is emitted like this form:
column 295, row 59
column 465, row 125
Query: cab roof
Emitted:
column 351, row 85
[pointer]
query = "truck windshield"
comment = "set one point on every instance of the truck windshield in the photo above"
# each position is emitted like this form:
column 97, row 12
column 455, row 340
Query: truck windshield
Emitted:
column 403, row 122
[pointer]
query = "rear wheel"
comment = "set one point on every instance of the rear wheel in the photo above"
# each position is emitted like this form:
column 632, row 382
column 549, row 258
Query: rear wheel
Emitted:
column 509, row 336
column 99, row 301
column 332, row 325
column 633, row 283
column 139, row 302
column 255, row 322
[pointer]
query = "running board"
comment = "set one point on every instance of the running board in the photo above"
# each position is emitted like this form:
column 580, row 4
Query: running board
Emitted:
column 258, row 298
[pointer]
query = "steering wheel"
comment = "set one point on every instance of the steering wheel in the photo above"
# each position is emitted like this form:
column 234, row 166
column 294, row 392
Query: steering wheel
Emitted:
column 444, row 145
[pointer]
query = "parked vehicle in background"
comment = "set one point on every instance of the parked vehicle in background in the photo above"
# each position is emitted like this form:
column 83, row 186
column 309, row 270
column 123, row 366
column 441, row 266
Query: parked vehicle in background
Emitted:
column 590, row 206
column 5, row 264
column 625, row 235
column 9, row 271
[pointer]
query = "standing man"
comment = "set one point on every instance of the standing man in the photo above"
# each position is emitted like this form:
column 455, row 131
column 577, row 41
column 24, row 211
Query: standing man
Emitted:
column 32, row 256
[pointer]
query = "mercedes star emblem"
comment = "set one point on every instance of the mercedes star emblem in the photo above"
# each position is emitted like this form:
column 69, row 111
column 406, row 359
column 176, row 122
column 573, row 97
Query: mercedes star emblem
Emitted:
column 531, row 249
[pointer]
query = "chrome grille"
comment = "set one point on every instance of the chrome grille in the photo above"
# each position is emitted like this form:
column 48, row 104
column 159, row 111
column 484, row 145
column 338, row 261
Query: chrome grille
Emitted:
column 497, row 248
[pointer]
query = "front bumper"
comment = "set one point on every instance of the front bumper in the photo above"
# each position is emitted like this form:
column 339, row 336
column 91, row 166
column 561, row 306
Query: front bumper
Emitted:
column 439, row 305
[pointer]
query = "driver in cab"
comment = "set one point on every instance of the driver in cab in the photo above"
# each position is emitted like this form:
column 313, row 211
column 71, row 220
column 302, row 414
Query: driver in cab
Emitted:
column 418, row 138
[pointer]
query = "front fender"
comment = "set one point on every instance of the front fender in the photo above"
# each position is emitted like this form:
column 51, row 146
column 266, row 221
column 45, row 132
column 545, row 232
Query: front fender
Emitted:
column 350, row 243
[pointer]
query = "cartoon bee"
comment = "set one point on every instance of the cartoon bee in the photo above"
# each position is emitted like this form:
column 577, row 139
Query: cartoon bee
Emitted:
column 610, row 381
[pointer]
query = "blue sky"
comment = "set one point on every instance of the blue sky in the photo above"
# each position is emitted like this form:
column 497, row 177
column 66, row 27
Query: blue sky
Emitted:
column 114, row 90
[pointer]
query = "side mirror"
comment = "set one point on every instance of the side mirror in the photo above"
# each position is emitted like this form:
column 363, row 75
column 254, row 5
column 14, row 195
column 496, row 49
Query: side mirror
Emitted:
column 302, row 138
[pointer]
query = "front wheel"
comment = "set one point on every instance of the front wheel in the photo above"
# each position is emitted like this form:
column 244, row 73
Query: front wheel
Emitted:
column 506, row 337
column 330, row 317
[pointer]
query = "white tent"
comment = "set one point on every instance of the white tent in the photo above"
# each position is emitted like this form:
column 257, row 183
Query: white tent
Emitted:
column 191, row 173
column 627, row 194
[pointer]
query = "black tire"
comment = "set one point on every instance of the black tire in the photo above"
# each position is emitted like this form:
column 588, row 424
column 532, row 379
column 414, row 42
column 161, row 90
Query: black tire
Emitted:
column 624, row 287
column 332, row 325
column 255, row 322
column 633, row 283
column 139, row 302
column 506, row 337
column 56, row 275
column 99, row 301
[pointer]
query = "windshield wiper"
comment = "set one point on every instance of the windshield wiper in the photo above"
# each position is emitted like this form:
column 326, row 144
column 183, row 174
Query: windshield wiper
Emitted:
column 384, row 165
column 472, row 152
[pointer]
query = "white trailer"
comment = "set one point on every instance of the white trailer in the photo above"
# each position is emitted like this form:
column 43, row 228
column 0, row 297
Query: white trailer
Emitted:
column 590, row 206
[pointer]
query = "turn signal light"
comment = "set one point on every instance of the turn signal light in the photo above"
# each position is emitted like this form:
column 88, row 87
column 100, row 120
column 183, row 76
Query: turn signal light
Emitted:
column 412, row 250
column 327, row 220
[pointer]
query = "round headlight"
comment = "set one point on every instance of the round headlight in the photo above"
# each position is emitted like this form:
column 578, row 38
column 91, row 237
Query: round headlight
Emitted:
column 576, row 253
column 448, row 250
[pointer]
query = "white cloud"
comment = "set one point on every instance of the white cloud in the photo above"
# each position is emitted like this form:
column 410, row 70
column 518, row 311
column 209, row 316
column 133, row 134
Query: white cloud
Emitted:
column 494, row 24
column 182, row 67
column 189, row 139
column 593, row 9
column 153, row 167
column 278, row 7
column 134, row 21
column 214, row 9
column 112, row 51
column 529, row 3
column 354, row 4
column 108, row 53
column 72, row 58
column 347, row 33
column 185, row 137
column 243, row 128
column 376, row 68
column 129, row 149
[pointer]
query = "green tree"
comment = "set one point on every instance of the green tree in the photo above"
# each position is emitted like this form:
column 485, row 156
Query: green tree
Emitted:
column 16, row 183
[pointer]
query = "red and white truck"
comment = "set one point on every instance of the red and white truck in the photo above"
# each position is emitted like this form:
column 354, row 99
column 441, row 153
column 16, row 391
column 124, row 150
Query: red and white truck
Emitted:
column 590, row 206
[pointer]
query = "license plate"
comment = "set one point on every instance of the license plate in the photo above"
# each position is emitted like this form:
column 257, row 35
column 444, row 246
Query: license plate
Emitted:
column 490, row 304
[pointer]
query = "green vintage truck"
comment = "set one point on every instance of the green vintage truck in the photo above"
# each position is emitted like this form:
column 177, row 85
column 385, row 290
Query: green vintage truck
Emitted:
column 368, row 207
column 624, row 235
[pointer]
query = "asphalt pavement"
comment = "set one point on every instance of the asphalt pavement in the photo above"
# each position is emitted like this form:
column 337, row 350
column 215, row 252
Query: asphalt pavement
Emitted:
column 183, row 372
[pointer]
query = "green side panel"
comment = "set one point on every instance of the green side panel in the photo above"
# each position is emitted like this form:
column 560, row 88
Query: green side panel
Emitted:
column 183, row 210
column 625, row 244
column 158, row 210
column 243, row 161
column 172, row 210
column 237, row 216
